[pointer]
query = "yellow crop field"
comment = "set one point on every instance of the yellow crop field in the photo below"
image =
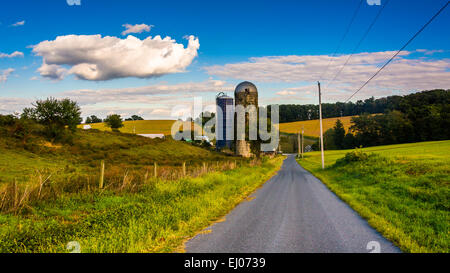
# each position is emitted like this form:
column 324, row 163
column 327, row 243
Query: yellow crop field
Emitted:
column 311, row 127
column 164, row 126
column 141, row 127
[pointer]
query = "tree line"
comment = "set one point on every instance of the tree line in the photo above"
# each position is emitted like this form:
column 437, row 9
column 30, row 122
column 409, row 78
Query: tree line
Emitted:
column 293, row 112
column 423, row 116
column 94, row 119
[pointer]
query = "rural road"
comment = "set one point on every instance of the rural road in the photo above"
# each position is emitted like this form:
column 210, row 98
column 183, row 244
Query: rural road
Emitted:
column 292, row 212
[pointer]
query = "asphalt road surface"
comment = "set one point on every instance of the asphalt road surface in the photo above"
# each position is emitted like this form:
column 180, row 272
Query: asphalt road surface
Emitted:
column 292, row 212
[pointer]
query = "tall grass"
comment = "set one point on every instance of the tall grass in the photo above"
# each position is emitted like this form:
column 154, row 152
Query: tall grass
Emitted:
column 152, row 216
column 402, row 190
column 17, row 198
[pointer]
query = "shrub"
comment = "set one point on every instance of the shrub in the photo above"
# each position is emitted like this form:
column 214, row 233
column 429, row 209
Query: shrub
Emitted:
column 57, row 116
column 114, row 122
column 354, row 156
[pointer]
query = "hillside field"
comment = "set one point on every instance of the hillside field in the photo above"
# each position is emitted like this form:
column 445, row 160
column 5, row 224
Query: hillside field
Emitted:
column 119, row 151
column 140, row 126
column 164, row 126
column 311, row 127
column 50, row 194
column 402, row 190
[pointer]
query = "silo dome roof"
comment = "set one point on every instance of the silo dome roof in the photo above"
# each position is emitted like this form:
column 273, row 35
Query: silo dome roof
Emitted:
column 243, row 86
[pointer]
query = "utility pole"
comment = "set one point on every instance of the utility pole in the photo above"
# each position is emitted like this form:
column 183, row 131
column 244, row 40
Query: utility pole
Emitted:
column 321, row 129
column 298, row 144
column 303, row 145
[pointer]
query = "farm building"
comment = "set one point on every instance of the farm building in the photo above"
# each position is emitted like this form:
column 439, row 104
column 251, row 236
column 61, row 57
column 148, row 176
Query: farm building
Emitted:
column 246, row 94
column 224, row 121
column 162, row 136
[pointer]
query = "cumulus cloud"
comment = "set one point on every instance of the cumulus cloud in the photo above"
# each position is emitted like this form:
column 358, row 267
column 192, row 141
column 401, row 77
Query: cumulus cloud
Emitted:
column 5, row 73
column 97, row 58
column 20, row 23
column 404, row 74
column 52, row 71
column 12, row 55
column 139, row 28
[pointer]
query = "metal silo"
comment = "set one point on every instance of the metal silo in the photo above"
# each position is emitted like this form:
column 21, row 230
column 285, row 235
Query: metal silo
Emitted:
column 224, row 121
column 246, row 94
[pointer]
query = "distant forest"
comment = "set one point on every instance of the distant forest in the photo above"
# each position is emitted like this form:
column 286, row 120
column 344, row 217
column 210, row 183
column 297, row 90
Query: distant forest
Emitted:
column 293, row 112
column 423, row 116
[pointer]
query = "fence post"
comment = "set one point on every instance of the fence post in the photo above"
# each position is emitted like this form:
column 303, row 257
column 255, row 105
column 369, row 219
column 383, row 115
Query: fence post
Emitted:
column 184, row 169
column 155, row 172
column 204, row 167
column 102, row 174
column 16, row 194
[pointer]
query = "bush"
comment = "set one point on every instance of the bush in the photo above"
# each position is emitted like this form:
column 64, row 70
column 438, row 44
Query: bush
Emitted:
column 355, row 156
column 114, row 122
column 60, row 117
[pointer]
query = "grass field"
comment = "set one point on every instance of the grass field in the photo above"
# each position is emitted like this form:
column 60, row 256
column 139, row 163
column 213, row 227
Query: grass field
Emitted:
column 157, row 218
column 402, row 190
column 51, row 194
column 120, row 152
column 311, row 127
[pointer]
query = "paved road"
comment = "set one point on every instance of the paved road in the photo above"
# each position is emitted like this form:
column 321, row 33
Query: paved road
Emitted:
column 292, row 212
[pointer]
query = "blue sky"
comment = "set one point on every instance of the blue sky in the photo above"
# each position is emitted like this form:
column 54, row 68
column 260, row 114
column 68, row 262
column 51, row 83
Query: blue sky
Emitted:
column 281, row 46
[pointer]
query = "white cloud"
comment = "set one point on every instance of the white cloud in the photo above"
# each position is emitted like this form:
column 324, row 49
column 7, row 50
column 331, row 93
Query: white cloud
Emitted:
column 405, row 74
column 168, row 94
column 139, row 28
column 286, row 93
column 429, row 52
column 20, row 23
column 97, row 58
column 5, row 73
column 52, row 71
column 12, row 105
column 12, row 55
column 151, row 102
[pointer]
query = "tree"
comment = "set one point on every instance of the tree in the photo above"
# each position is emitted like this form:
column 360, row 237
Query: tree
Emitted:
column 57, row 116
column 93, row 119
column 367, row 130
column 135, row 117
column 114, row 122
column 329, row 140
column 339, row 134
column 349, row 141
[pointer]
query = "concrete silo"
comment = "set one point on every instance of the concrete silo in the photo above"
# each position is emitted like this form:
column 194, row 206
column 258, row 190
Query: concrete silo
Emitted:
column 224, row 121
column 245, row 95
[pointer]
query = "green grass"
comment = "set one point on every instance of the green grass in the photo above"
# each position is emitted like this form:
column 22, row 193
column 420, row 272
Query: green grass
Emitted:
column 402, row 190
column 157, row 218
column 49, row 193
column 120, row 151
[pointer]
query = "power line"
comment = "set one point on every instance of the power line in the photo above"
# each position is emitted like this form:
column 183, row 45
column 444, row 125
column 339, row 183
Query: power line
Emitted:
column 360, row 42
column 343, row 37
column 403, row 47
